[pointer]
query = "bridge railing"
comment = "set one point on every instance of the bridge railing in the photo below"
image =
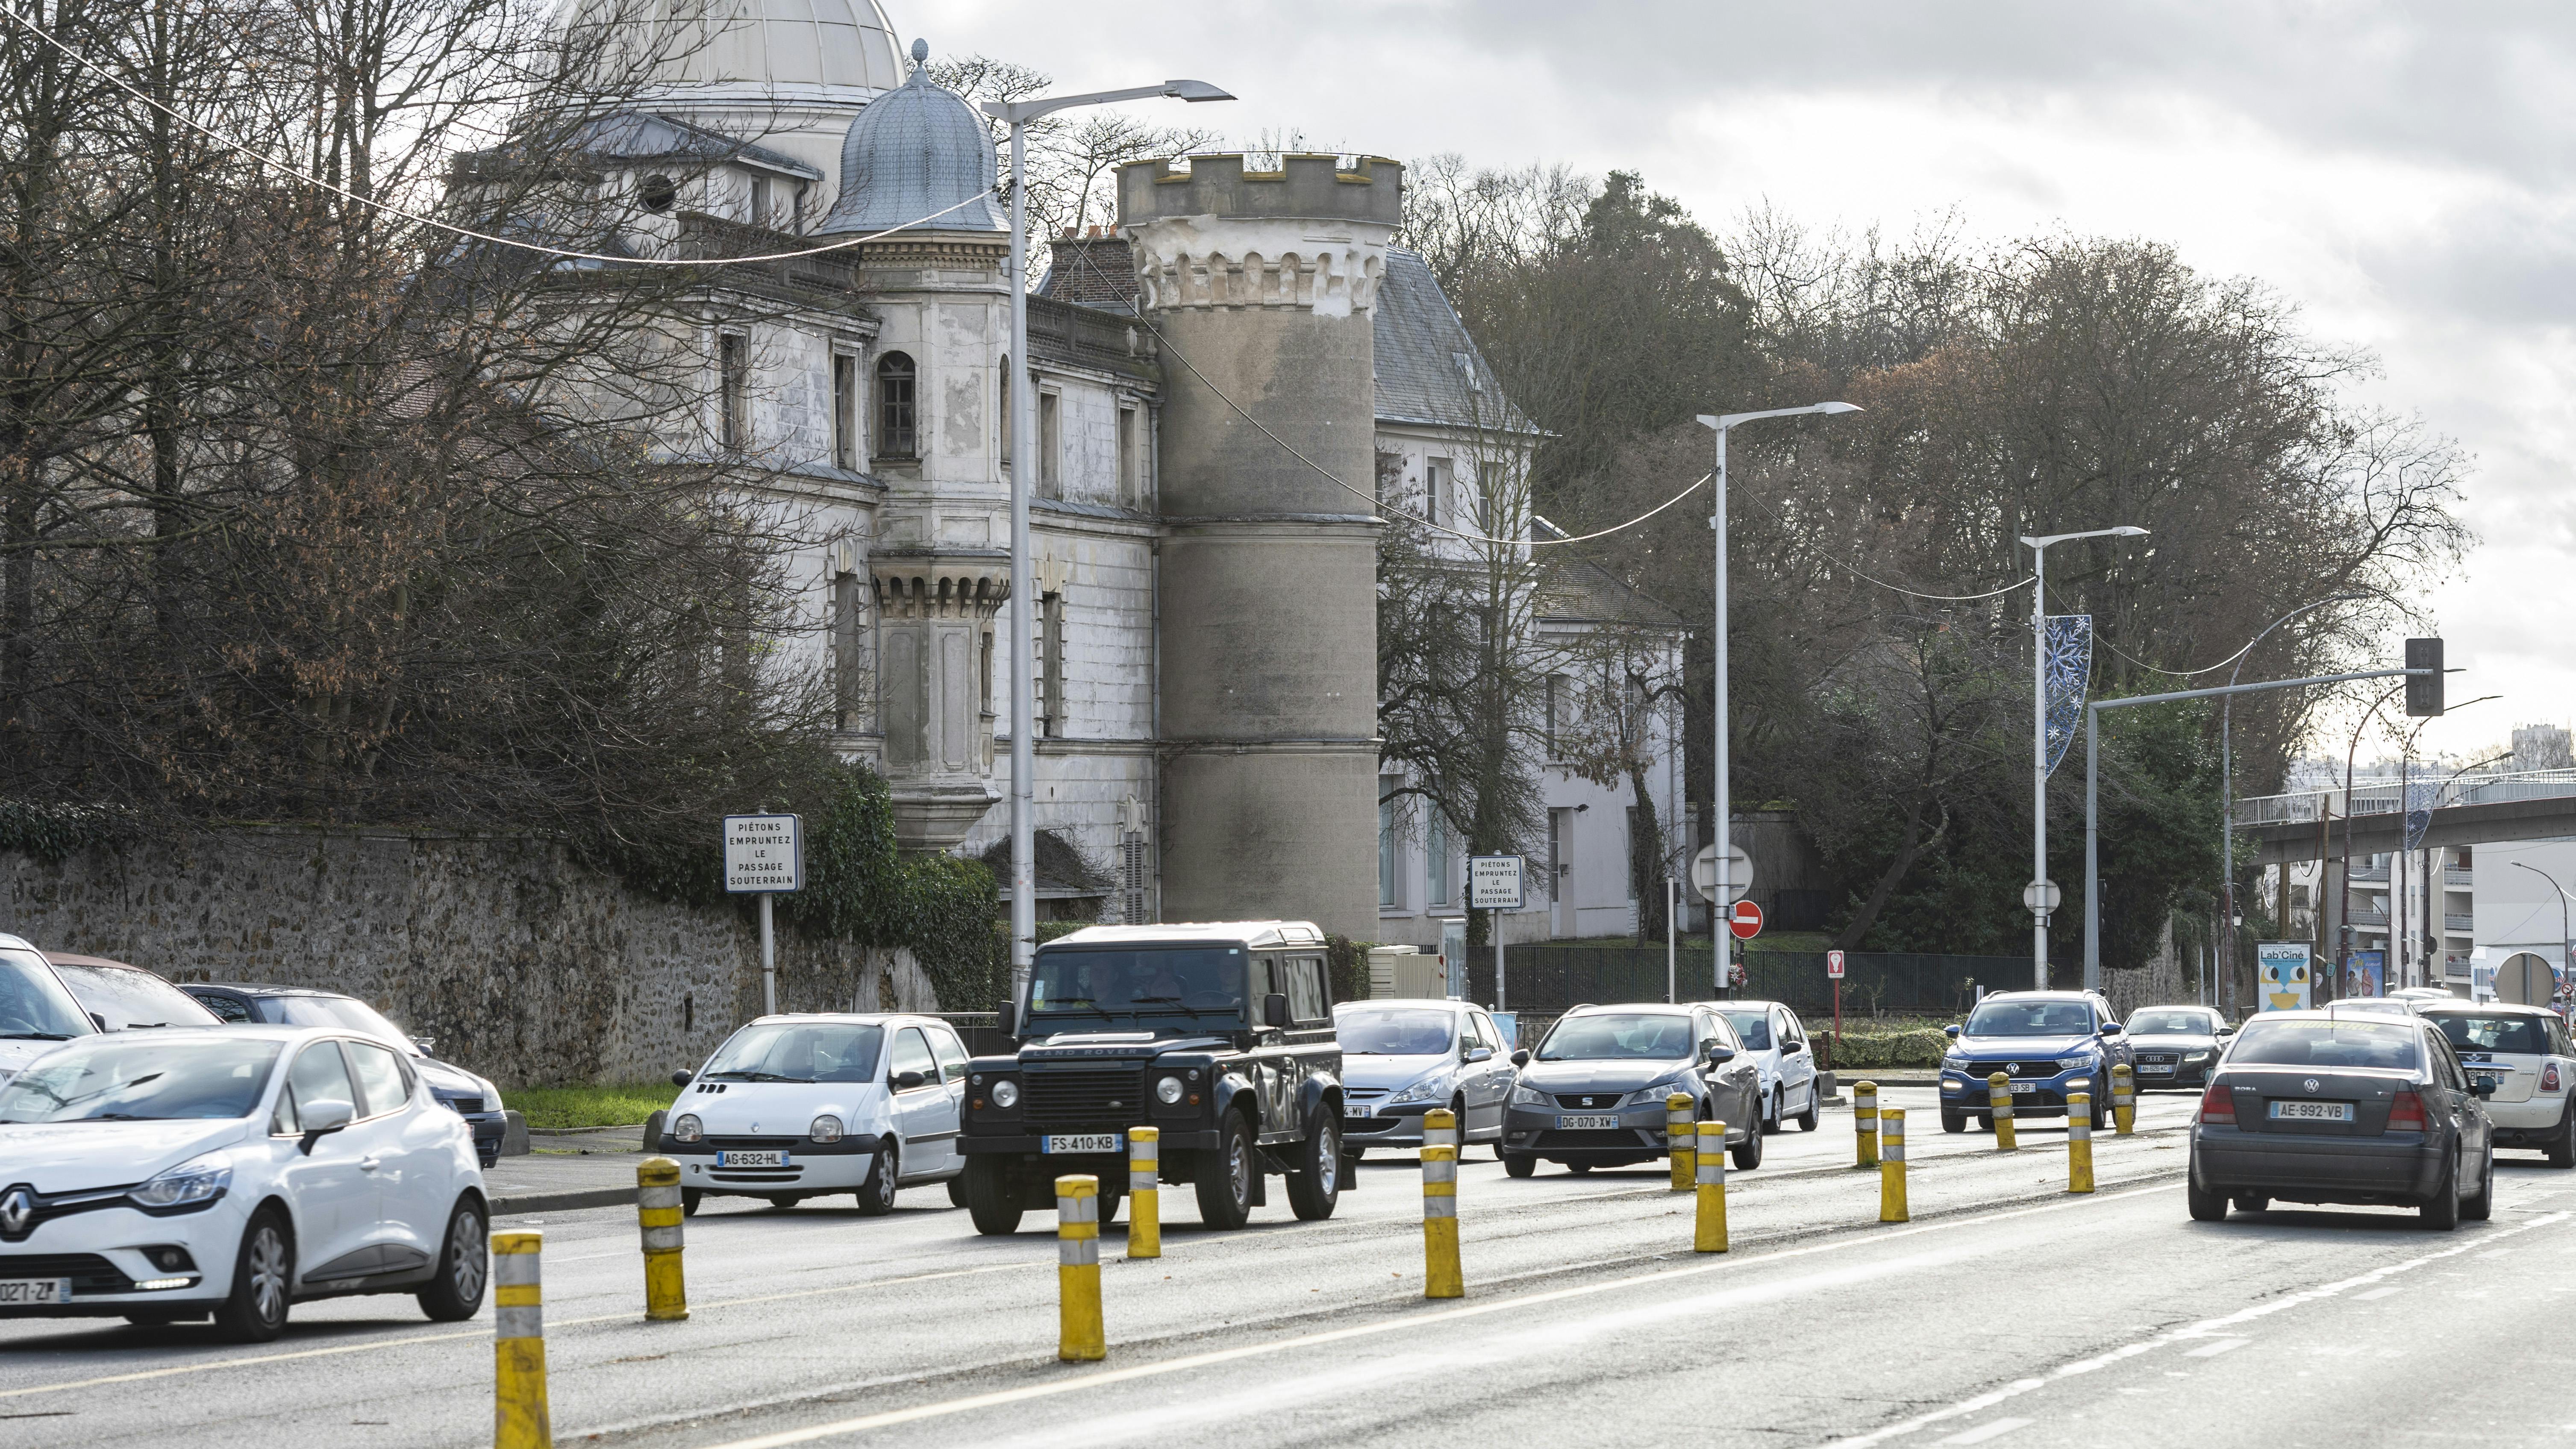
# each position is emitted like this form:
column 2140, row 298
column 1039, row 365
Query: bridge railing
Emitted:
column 2380, row 797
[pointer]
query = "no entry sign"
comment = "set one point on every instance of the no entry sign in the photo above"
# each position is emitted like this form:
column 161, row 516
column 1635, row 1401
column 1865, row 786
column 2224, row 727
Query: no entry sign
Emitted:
column 1745, row 920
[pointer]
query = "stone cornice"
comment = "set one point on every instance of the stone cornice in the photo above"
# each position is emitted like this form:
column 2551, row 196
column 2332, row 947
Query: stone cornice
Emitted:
column 940, row 583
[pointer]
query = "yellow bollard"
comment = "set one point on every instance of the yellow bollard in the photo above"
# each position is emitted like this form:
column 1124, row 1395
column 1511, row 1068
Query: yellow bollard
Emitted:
column 1710, row 1236
column 657, row 1209
column 1678, row 1122
column 2079, row 1142
column 2124, row 1099
column 1865, row 1122
column 1891, row 1167
column 1999, row 1101
column 519, row 1418
column 1441, row 1275
column 1079, row 1335
column 1144, row 1192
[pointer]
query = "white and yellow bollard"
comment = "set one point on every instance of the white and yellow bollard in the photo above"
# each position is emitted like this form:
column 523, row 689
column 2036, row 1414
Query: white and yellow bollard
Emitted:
column 1079, row 1336
column 519, row 1417
column 1144, row 1192
column 1891, row 1167
column 2124, row 1099
column 1710, row 1235
column 1999, row 1102
column 1679, row 1120
column 2079, row 1142
column 1441, row 1275
column 1865, row 1122
column 657, row 1212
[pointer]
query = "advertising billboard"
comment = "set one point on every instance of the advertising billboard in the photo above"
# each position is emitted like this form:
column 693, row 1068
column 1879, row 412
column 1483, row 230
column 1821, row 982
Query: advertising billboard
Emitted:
column 2281, row 971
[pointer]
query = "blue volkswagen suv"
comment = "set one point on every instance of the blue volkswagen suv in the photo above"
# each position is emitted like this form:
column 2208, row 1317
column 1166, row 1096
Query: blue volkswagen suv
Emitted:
column 2050, row 1043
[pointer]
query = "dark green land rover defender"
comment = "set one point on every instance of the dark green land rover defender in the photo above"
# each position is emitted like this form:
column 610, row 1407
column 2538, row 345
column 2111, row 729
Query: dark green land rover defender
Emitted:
column 1219, row 1036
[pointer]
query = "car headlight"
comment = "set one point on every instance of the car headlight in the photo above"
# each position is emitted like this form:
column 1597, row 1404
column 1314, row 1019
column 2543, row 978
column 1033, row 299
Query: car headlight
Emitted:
column 826, row 1128
column 190, row 1184
column 687, row 1128
column 1006, row 1094
column 1527, row 1096
column 1428, row 1089
column 1655, row 1094
column 491, row 1097
column 2074, row 1064
column 2196, row 1056
column 1168, row 1091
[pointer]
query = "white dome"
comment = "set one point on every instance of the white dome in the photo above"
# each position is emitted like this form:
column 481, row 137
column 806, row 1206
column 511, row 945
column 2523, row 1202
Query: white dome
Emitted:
column 833, row 52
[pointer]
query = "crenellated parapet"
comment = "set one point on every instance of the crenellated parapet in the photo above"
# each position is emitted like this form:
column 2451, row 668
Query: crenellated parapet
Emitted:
column 1310, row 236
column 942, row 585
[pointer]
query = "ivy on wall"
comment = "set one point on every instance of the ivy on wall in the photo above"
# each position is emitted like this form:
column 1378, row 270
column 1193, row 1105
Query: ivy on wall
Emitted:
column 53, row 833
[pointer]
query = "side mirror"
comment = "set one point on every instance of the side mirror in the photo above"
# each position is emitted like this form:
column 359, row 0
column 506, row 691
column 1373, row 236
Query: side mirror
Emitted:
column 1790, row 1049
column 1480, row 1054
column 320, row 1118
column 682, row 1077
column 1951, row 1031
column 2228, row 1029
column 1274, row 1009
column 98, row 1021
column 1716, row 1054
column 906, row 1081
column 1007, row 1020
column 1521, row 1058
column 2110, row 1028
column 2482, row 1086
column 428, row 1045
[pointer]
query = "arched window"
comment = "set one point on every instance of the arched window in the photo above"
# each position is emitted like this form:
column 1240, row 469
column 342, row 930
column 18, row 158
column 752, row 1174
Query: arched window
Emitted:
column 895, row 431
column 1003, row 406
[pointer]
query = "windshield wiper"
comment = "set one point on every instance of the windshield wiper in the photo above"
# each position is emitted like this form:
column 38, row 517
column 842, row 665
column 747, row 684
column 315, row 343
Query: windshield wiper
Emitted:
column 33, row 1036
column 1166, row 1001
column 757, row 1077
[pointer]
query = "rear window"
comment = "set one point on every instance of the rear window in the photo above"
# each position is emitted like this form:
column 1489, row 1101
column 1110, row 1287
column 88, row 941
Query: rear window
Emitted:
column 133, row 999
column 2387, row 1045
column 2500, row 1032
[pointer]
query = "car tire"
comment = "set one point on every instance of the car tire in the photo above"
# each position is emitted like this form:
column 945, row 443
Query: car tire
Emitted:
column 2252, row 1202
column 263, row 1280
column 689, row 1199
column 957, row 1190
column 2561, row 1151
column 1953, row 1121
column 1775, row 1118
column 1747, row 1155
column 2480, row 1208
column 2101, row 1107
column 1519, row 1164
column 993, row 1199
column 2208, row 1205
column 876, row 1195
column 781, row 1202
column 1985, row 1121
column 1579, row 1169
column 1225, row 1194
column 464, row 1266
column 1807, row 1119
column 2442, row 1213
column 1317, row 1183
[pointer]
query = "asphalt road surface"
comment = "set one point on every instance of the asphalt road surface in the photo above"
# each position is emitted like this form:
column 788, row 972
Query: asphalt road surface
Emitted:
column 2008, row 1312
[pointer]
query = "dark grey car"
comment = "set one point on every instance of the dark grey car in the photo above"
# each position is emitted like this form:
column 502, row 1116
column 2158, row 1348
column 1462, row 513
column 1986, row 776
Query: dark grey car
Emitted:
column 1593, row 1094
column 2176, row 1046
column 2343, row 1107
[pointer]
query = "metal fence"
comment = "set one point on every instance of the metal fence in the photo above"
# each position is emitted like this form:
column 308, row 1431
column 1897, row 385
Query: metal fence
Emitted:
column 2379, row 797
column 1548, row 978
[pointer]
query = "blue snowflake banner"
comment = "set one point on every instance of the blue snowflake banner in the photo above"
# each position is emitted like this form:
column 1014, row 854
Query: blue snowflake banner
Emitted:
column 2070, row 675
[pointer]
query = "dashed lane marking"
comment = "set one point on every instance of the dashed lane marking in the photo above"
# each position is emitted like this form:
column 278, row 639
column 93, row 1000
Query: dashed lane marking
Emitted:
column 1984, row 1432
column 2215, row 1348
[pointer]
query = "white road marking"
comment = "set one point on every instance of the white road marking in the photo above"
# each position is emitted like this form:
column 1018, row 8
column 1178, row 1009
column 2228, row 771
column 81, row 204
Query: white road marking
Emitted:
column 2375, row 1294
column 2214, row 1349
column 1984, row 1432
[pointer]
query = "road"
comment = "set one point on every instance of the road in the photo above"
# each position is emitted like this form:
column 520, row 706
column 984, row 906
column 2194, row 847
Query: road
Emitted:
column 2007, row 1312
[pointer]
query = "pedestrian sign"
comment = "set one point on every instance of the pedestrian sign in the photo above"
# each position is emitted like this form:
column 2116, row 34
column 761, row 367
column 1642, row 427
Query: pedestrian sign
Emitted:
column 763, row 853
column 1494, row 883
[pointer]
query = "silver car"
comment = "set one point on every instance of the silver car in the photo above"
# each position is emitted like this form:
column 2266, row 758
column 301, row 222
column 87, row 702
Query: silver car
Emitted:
column 1401, row 1058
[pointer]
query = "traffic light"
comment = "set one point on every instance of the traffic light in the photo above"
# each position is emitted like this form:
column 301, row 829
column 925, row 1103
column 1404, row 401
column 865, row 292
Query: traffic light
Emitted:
column 2424, row 691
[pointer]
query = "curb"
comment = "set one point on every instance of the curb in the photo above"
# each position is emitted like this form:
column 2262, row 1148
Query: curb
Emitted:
column 505, row 1205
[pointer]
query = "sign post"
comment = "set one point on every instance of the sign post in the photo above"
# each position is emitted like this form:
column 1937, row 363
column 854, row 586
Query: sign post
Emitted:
column 1494, row 883
column 764, row 855
column 1834, row 969
column 1744, row 922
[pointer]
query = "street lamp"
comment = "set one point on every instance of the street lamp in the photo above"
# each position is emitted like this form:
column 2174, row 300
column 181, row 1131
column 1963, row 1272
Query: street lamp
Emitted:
column 2041, row 894
column 1024, row 427
column 2563, row 937
column 1722, row 830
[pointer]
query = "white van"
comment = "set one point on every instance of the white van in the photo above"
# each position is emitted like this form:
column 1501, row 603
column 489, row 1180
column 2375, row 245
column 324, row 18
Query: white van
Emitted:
column 806, row 1104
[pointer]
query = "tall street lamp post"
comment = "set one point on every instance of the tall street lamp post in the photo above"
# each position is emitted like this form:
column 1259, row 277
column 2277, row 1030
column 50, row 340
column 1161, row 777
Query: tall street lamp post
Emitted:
column 1024, row 428
column 2041, row 894
column 1721, row 829
column 2566, row 941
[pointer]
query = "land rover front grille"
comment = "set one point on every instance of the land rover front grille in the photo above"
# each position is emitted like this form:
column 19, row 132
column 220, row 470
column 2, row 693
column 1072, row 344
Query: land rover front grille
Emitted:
column 1083, row 1096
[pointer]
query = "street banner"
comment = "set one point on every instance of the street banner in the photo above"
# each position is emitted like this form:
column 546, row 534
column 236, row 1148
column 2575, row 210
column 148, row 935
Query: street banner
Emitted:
column 2282, row 970
column 2070, row 675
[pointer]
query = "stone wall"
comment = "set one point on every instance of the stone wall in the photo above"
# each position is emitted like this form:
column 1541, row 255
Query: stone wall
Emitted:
column 524, row 964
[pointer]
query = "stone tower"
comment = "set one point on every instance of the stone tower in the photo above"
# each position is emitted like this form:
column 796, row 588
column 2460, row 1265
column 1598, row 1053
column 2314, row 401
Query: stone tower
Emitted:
column 1261, row 285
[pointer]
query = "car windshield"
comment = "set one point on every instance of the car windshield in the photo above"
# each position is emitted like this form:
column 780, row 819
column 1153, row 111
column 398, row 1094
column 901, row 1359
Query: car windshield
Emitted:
column 1385, row 1032
column 1618, row 1036
column 128, row 999
column 799, row 1051
column 2388, row 1045
column 33, row 1005
column 122, row 1079
column 2377, row 1006
column 2029, row 1018
column 346, row 1012
column 1753, row 1026
column 1197, row 982
column 2496, row 1032
column 2172, row 1022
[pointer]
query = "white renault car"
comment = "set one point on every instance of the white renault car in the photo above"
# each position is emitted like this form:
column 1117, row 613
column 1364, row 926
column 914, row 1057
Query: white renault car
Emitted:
column 37, row 1011
column 232, row 1171
column 2526, row 1052
column 801, row 1105
column 1776, row 1041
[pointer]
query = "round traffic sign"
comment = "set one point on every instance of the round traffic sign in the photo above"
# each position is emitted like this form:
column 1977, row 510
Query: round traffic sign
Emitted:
column 1739, row 870
column 1745, row 920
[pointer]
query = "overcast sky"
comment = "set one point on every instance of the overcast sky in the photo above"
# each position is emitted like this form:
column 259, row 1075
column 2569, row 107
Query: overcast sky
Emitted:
column 2405, row 174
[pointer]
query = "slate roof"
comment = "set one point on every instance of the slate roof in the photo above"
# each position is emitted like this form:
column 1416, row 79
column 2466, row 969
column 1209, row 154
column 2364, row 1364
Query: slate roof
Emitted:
column 915, row 152
column 644, row 136
column 1428, row 369
column 1093, row 271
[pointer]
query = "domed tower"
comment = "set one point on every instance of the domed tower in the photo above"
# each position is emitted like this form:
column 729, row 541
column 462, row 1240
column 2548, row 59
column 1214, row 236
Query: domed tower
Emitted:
column 1263, row 286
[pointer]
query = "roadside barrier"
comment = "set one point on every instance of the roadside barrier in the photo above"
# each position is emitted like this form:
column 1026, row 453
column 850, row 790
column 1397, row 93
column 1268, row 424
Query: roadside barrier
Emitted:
column 1710, row 1235
column 1079, row 1335
column 1144, row 1192
column 1999, row 1102
column 519, row 1418
column 2124, row 1099
column 2079, row 1142
column 1441, row 1275
column 1678, row 1122
column 1865, row 1122
column 1891, row 1167
column 657, row 1211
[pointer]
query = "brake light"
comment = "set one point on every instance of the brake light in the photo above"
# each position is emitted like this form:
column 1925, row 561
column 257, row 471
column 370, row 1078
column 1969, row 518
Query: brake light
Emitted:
column 2217, row 1105
column 2406, row 1114
column 2549, row 1078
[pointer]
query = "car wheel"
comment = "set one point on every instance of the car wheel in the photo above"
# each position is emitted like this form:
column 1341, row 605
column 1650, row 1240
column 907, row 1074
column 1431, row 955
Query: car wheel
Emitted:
column 1747, row 1155
column 1225, row 1195
column 2101, row 1106
column 2442, row 1214
column 2252, row 1202
column 689, row 1198
column 1953, row 1121
column 1317, row 1184
column 781, row 1202
column 2482, row 1207
column 263, row 1280
column 464, row 1265
column 2208, row 1205
column 1579, row 1169
column 957, row 1190
column 1807, row 1119
column 2562, row 1147
column 1985, row 1121
column 992, row 1197
column 1772, row 1118
column 876, row 1195
column 1519, row 1164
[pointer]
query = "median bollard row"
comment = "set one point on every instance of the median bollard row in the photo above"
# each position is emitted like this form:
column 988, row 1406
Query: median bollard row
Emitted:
column 2124, row 1099
column 657, row 1210
column 1441, row 1275
column 1710, row 1236
column 1678, row 1122
column 1891, row 1167
column 2079, row 1142
column 1865, row 1122
column 1144, row 1192
column 519, row 1417
column 1999, row 1102
column 1079, row 1335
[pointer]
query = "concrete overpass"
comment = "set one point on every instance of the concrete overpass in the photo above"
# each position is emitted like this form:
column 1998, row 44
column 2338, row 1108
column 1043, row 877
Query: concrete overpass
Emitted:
column 2490, row 822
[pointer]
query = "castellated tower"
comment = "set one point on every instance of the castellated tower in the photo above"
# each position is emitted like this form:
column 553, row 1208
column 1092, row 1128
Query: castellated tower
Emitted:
column 1262, row 285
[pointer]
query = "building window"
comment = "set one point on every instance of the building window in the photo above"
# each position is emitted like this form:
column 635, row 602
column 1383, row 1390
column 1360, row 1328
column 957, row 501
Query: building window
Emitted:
column 1439, row 482
column 1560, row 709
column 1435, row 859
column 733, row 384
column 845, row 412
column 1046, row 667
column 1006, row 407
column 1489, row 494
column 1390, row 845
column 849, row 663
column 656, row 193
column 801, row 190
column 1129, row 490
column 1050, row 447
column 1628, row 851
column 895, row 436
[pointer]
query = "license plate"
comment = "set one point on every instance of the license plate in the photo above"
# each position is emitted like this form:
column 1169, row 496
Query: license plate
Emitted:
column 1360, row 1109
column 2154, row 1071
column 1587, row 1124
column 751, row 1159
column 29, row 1292
column 2018, row 1088
column 2312, row 1111
column 1082, row 1142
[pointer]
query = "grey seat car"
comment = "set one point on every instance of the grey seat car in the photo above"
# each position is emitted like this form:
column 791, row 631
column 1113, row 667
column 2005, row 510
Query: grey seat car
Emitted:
column 2342, row 1106
column 1401, row 1058
column 1593, row 1094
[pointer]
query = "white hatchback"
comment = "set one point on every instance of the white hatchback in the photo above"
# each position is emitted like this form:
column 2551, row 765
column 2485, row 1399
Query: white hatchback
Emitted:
column 800, row 1105
column 1775, row 1040
column 2527, row 1052
column 233, row 1171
